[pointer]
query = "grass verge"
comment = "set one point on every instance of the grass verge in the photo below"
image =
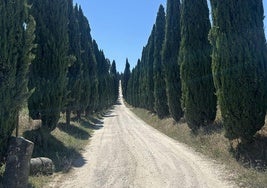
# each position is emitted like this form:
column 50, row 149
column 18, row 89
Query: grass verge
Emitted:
column 212, row 143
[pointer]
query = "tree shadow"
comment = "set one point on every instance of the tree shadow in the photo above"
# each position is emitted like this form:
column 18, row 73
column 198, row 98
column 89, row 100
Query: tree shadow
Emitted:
column 118, row 102
column 74, row 131
column 94, row 121
column 91, row 123
column 107, row 116
column 63, row 157
column 215, row 127
column 252, row 155
column 207, row 129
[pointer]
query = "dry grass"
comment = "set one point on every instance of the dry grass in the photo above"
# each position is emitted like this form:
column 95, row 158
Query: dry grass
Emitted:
column 212, row 143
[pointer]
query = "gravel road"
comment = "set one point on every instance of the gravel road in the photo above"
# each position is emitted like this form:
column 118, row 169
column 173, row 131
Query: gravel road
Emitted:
column 126, row 152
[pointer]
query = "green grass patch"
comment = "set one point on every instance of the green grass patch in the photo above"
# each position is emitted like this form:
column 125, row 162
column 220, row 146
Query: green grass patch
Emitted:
column 211, row 142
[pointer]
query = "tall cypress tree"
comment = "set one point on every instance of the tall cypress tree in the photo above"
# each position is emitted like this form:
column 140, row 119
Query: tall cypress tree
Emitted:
column 160, row 105
column 150, row 74
column 16, row 43
column 170, row 58
column 89, row 95
column 239, row 65
column 115, row 81
column 126, row 77
column 130, row 86
column 100, row 59
column 143, row 79
column 103, row 76
column 136, row 84
column 75, row 70
column 199, row 100
column 48, row 74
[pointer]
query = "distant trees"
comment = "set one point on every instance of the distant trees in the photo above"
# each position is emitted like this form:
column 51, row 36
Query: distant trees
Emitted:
column 125, row 78
column 198, row 92
column 140, row 86
column 239, row 65
column 115, row 82
column 170, row 59
column 146, row 85
column 16, row 45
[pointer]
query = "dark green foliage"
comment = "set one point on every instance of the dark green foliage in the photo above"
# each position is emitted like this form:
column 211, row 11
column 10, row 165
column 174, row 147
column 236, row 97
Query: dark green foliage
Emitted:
column 133, row 90
column 170, row 59
column 143, row 79
column 115, row 82
column 239, row 65
column 105, row 79
column 48, row 74
column 130, row 89
column 160, row 104
column 198, row 93
column 149, row 74
column 126, row 77
column 16, row 43
column 139, row 85
column 75, row 76
column 89, row 95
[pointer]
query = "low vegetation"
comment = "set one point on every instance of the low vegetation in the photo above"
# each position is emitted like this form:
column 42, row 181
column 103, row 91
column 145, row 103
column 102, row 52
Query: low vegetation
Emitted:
column 246, row 164
column 63, row 146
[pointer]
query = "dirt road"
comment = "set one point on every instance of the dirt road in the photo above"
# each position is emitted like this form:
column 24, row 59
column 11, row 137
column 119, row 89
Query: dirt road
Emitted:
column 126, row 152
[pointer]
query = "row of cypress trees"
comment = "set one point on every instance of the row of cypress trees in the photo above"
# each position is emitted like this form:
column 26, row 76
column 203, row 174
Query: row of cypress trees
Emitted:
column 49, row 59
column 189, row 67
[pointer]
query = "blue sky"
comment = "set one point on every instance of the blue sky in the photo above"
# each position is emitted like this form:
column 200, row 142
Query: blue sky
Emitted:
column 121, row 28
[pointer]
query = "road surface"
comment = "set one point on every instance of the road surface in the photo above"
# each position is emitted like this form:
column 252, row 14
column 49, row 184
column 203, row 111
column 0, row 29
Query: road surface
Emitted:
column 126, row 152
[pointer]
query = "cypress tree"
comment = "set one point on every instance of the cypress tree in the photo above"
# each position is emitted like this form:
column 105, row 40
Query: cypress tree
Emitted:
column 74, row 71
column 115, row 81
column 150, row 74
column 143, row 79
column 170, row 58
column 89, row 94
column 130, row 88
column 199, row 100
column 105, row 84
column 108, row 83
column 239, row 65
column 48, row 74
column 126, row 77
column 99, row 56
column 16, row 43
column 136, row 84
column 104, row 80
column 160, row 105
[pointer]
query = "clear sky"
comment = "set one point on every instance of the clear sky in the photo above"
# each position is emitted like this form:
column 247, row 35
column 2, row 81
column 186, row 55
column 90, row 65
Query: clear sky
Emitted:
column 122, row 27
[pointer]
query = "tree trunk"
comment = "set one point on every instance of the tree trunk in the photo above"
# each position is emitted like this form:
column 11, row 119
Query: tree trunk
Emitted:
column 18, row 163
